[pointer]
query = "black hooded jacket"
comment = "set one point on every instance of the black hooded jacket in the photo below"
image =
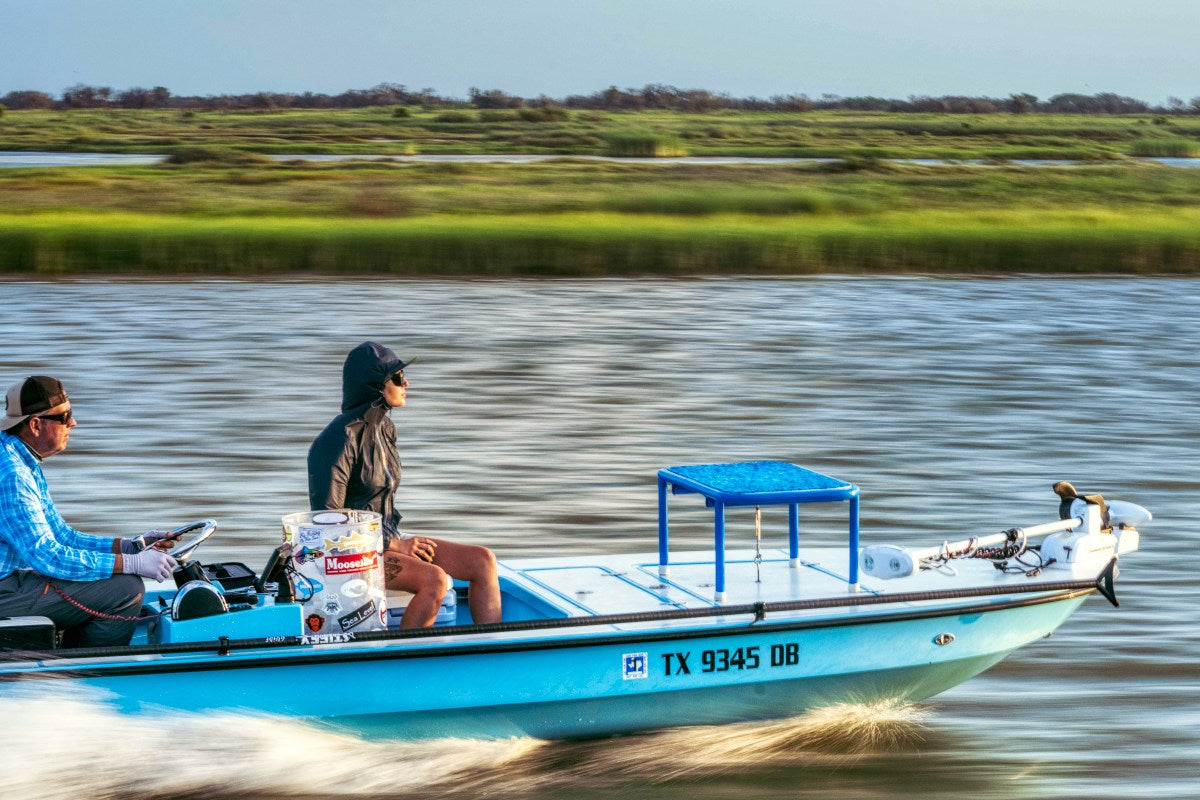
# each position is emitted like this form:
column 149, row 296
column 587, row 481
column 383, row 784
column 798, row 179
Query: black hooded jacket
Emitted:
column 354, row 463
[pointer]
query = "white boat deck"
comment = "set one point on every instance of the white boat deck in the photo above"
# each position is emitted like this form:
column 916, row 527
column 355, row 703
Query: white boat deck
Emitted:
column 627, row 584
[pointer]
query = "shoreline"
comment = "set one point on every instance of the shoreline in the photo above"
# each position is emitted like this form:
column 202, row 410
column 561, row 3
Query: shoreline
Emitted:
column 604, row 245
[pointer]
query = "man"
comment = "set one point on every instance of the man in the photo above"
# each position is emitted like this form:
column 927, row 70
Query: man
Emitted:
column 90, row 586
column 354, row 463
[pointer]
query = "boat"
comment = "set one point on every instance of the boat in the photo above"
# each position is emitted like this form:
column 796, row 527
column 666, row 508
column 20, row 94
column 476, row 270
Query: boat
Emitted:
column 597, row 645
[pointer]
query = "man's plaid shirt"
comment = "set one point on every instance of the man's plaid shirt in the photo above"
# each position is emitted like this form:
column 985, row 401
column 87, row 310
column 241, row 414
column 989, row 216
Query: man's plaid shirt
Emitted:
column 33, row 535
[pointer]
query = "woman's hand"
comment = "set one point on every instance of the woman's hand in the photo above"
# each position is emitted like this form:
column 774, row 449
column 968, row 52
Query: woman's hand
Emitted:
column 417, row 547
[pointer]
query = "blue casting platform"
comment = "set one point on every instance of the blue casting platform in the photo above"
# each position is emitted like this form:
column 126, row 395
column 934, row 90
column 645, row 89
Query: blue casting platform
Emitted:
column 754, row 483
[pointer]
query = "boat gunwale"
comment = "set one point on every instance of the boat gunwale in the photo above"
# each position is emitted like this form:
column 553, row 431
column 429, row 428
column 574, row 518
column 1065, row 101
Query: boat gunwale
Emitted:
column 67, row 667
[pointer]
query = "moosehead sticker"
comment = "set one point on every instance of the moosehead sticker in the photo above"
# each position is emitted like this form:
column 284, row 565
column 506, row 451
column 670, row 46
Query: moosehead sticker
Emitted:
column 351, row 562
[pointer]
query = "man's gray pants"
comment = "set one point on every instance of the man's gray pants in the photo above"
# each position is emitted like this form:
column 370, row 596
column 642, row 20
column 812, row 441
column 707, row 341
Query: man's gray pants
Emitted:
column 25, row 593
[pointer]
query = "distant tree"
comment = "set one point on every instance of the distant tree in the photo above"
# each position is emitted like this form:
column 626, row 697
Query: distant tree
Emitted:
column 928, row 105
column 700, row 101
column 312, row 100
column 614, row 98
column 650, row 96
column 263, row 100
column 80, row 96
column 494, row 98
column 429, row 97
column 1021, row 103
column 383, row 94
column 137, row 97
column 1103, row 103
column 791, row 102
column 866, row 103
column 659, row 96
column 27, row 99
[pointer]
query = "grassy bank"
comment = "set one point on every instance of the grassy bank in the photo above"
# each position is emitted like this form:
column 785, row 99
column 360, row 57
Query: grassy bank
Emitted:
column 604, row 244
column 823, row 134
column 382, row 190
column 220, row 207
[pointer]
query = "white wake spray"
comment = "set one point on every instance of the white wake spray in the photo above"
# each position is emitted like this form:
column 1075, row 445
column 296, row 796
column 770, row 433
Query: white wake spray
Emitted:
column 64, row 743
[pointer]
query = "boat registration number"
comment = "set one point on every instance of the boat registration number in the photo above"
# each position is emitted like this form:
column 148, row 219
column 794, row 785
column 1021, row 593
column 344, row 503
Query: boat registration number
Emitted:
column 724, row 659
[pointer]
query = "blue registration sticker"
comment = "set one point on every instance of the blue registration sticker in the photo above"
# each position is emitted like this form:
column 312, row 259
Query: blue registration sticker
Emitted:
column 634, row 666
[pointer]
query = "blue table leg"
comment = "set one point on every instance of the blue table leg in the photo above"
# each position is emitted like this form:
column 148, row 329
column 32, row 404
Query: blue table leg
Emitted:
column 794, row 535
column 854, row 542
column 719, row 547
column 663, row 567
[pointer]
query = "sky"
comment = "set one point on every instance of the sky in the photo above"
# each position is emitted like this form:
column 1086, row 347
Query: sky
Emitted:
column 886, row 48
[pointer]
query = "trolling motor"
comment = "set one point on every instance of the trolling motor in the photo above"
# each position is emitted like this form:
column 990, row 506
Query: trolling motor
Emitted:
column 1091, row 531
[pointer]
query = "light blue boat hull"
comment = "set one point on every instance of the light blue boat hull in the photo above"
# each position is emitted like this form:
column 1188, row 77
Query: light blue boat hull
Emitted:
column 577, row 685
column 600, row 645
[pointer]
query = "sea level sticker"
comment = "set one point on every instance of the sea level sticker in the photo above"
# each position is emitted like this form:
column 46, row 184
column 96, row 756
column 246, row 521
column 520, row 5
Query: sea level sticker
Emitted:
column 358, row 616
column 634, row 666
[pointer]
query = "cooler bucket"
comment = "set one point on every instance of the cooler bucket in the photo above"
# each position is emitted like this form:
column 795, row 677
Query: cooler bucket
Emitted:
column 339, row 555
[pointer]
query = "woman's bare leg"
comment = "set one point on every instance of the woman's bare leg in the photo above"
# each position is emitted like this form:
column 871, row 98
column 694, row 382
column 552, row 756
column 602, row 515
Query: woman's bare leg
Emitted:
column 426, row 581
column 476, row 565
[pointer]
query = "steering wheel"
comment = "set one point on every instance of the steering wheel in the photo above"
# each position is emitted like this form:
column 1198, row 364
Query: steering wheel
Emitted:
column 206, row 527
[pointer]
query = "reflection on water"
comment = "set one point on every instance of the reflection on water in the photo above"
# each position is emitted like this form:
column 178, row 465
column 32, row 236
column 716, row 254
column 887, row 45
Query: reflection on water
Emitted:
column 538, row 415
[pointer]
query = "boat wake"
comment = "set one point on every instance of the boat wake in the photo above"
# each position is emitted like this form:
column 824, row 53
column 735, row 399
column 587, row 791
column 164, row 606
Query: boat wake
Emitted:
column 831, row 736
column 67, row 743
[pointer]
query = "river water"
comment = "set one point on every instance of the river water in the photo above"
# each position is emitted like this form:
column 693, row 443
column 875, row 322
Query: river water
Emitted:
column 538, row 415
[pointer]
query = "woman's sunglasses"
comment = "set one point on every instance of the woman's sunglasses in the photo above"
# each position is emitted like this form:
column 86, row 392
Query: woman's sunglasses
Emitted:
column 397, row 377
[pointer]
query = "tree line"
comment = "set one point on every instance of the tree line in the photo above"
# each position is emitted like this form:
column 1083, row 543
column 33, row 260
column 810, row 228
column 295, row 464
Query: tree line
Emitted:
column 651, row 96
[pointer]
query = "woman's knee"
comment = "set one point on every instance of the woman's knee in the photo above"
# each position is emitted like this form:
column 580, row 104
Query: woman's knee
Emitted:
column 432, row 579
column 485, row 558
column 481, row 563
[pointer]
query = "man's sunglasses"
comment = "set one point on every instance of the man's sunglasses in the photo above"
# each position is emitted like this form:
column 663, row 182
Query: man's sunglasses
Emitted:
column 397, row 377
column 62, row 418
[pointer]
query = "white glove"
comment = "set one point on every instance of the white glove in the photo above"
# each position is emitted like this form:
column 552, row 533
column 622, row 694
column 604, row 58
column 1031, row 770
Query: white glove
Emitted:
column 147, row 540
column 153, row 564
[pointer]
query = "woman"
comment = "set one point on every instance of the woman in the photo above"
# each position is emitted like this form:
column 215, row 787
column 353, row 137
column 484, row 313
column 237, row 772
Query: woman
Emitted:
column 354, row 463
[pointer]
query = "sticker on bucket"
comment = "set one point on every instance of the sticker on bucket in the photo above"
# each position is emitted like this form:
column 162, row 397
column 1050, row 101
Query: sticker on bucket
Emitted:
column 351, row 563
column 339, row 555
column 358, row 616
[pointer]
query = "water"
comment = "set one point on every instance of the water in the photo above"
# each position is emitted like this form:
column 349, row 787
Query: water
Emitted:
column 538, row 414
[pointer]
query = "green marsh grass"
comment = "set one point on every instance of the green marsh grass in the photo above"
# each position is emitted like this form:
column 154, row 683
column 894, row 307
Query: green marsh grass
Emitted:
column 1099, row 241
column 828, row 134
column 1166, row 148
column 234, row 214
column 643, row 145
